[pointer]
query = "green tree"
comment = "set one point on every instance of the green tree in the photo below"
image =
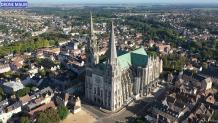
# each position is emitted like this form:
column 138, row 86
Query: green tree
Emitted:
column 48, row 116
column 23, row 92
column 42, row 73
column 2, row 94
column 1, row 98
column 42, row 118
column 173, row 62
column 1, row 91
column 215, row 115
column 25, row 120
column 62, row 112
column 46, row 63
column 52, row 114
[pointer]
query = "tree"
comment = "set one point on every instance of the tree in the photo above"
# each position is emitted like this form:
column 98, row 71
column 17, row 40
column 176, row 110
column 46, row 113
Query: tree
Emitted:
column 48, row 116
column 215, row 115
column 25, row 120
column 42, row 73
column 46, row 63
column 1, row 94
column 1, row 97
column 23, row 92
column 1, row 91
column 52, row 114
column 62, row 112
column 173, row 62
column 42, row 118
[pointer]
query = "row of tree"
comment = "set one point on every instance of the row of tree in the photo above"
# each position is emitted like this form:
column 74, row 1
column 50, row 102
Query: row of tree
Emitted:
column 24, row 46
column 203, row 49
column 52, row 115
column 23, row 92
column 174, row 62
column 153, row 29
column 48, row 116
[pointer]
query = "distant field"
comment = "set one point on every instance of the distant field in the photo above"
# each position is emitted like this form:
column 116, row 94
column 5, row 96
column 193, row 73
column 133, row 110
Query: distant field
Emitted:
column 13, row 15
column 206, row 8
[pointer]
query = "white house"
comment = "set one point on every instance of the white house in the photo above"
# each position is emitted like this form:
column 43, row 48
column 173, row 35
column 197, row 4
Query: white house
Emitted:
column 5, row 68
column 207, row 83
column 10, row 87
column 5, row 115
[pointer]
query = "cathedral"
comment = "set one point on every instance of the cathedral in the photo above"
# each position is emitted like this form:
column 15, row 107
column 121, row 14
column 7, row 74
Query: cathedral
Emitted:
column 124, row 76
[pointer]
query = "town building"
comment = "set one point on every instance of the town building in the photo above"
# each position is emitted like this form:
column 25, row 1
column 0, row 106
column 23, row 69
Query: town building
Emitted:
column 5, row 68
column 17, row 63
column 199, row 81
column 124, row 76
column 9, row 111
column 163, row 48
column 62, row 99
column 10, row 87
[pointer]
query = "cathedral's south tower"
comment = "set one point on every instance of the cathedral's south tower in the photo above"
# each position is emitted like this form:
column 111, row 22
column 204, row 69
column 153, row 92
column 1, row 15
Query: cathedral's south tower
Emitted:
column 113, row 74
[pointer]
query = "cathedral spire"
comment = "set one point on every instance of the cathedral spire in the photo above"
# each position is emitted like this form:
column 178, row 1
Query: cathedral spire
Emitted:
column 92, row 45
column 91, row 26
column 112, row 46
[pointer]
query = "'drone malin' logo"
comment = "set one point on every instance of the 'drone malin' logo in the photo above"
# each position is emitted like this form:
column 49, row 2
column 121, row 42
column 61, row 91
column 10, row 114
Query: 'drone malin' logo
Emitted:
column 14, row 3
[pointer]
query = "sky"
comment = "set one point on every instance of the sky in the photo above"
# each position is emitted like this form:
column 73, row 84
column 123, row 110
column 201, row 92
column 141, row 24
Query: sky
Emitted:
column 122, row 1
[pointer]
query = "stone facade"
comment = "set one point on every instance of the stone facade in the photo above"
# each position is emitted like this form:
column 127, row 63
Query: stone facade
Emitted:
column 123, row 77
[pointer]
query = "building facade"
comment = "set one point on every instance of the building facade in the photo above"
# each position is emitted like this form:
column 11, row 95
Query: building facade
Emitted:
column 124, row 76
column 5, row 68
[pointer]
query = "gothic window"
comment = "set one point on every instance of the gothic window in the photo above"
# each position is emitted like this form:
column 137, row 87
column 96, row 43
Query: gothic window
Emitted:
column 90, row 85
column 101, row 93
column 109, row 104
column 97, row 79
column 94, row 90
column 105, row 93
column 98, row 91
column 108, row 72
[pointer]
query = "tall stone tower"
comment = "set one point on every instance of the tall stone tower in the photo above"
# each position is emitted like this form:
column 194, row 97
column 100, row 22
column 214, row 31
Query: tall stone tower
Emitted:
column 92, row 47
column 91, row 61
column 113, row 74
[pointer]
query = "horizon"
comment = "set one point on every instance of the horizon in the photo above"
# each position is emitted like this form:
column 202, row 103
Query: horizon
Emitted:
column 123, row 2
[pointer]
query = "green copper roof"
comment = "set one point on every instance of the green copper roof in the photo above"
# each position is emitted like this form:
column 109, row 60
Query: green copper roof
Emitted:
column 137, row 57
column 134, row 58
column 124, row 60
column 140, row 51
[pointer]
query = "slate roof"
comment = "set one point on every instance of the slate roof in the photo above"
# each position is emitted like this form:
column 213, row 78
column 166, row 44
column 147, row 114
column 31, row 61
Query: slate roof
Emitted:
column 199, row 77
column 4, row 103
column 170, row 99
column 194, row 76
column 42, row 108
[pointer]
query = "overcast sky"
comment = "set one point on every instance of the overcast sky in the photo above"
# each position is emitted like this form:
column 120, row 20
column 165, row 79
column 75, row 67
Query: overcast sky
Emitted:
column 123, row 1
